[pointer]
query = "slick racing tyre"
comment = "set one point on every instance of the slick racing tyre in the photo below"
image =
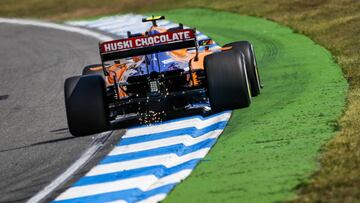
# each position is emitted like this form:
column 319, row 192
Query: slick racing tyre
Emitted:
column 228, row 85
column 86, row 105
column 88, row 70
column 246, row 48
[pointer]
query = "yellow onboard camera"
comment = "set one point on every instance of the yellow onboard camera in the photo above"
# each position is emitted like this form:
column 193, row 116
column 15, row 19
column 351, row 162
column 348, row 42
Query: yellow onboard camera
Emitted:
column 153, row 19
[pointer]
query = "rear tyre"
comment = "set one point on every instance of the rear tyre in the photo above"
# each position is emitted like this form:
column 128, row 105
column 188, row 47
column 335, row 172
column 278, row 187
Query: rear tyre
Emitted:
column 228, row 85
column 247, row 49
column 87, row 109
column 89, row 70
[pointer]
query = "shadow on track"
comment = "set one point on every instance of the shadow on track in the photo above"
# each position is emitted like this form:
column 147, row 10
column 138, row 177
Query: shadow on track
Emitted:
column 57, row 131
column 116, row 125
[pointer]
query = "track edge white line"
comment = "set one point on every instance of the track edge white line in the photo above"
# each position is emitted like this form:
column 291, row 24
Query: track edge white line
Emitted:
column 97, row 143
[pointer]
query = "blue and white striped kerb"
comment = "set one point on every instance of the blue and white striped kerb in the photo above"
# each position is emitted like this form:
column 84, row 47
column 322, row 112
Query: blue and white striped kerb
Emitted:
column 148, row 161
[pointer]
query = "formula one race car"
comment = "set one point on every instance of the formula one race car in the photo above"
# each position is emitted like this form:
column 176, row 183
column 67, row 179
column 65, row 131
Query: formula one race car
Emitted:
column 160, row 71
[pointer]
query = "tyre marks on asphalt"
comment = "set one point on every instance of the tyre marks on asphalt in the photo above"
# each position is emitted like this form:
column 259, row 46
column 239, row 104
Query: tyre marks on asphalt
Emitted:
column 3, row 97
column 95, row 146
column 35, row 145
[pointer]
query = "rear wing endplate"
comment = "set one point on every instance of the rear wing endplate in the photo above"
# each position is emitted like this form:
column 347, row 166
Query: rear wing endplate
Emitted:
column 136, row 46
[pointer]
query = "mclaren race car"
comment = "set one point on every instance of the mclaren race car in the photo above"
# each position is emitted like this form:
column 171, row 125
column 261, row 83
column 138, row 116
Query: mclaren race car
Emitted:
column 160, row 71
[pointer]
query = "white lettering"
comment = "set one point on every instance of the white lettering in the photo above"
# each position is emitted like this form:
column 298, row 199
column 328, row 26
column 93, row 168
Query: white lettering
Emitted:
column 143, row 42
column 113, row 46
column 127, row 44
column 175, row 37
column 162, row 38
column 147, row 41
column 107, row 47
column 181, row 35
column 187, row 35
column 138, row 42
column 168, row 39
column 118, row 46
column 150, row 40
column 156, row 40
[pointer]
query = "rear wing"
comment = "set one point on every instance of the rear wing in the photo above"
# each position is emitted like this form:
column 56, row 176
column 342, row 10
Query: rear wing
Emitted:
column 135, row 46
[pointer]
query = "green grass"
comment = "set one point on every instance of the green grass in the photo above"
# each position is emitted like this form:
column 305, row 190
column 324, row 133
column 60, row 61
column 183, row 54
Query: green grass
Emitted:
column 271, row 147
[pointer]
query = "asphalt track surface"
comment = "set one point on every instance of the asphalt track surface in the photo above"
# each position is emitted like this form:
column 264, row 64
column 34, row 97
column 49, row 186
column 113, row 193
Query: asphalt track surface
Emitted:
column 265, row 131
column 35, row 144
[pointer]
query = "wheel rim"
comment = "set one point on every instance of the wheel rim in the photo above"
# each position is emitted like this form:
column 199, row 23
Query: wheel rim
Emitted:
column 246, row 79
column 256, row 68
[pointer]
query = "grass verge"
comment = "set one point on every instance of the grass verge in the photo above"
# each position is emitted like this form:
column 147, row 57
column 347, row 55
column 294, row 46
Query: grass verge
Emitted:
column 270, row 148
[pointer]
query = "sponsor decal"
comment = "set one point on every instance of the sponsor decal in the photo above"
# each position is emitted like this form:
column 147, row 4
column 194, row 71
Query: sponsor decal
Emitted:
column 146, row 41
